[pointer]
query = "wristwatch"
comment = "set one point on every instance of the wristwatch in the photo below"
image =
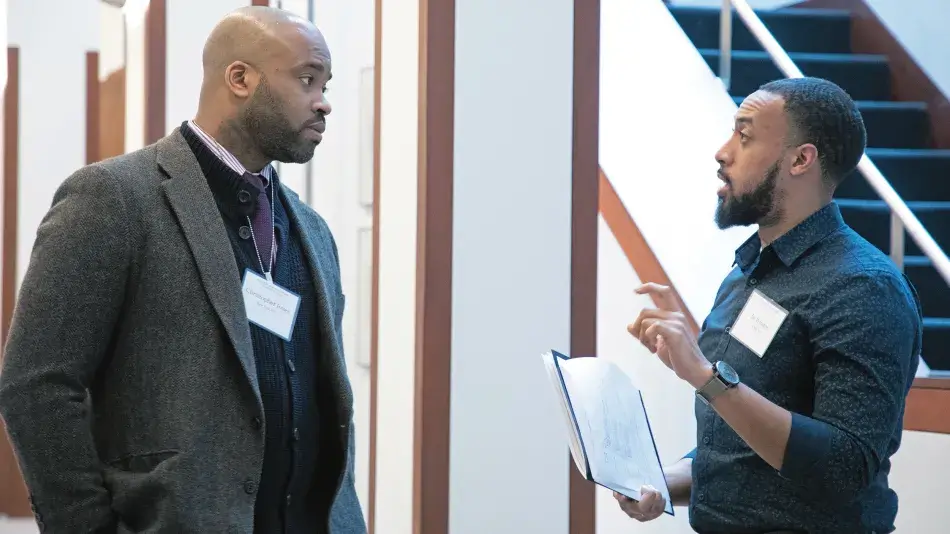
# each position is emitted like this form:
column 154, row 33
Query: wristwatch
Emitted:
column 724, row 378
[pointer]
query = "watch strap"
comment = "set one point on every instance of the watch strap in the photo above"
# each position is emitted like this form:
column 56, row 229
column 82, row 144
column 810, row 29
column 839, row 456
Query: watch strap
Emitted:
column 713, row 388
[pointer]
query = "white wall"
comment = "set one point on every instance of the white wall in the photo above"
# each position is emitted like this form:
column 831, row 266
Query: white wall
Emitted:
column 340, row 180
column 669, row 400
column 511, row 264
column 664, row 171
column 111, row 39
column 922, row 31
column 188, row 24
column 399, row 116
column 52, row 103
column 134, row 13
column 919, row 473
column 663, row 115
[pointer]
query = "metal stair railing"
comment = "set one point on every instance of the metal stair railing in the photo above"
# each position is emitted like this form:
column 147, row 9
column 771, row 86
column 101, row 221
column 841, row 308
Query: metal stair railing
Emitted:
column 902, row 218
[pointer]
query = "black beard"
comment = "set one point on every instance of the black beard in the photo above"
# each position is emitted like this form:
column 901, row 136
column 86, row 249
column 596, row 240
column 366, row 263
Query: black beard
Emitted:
column 755, row 207
column 273, row 134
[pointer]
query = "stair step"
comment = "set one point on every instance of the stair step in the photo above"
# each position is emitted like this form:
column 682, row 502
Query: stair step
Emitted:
column 798, row 30
column 872, row 219
column 933, row 289
column 936, row 345
column 896, row 124
column 892, row 124
column 864, row 77
column 914, row 174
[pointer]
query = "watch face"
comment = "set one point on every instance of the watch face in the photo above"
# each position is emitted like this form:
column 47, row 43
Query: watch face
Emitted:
column 727, row 373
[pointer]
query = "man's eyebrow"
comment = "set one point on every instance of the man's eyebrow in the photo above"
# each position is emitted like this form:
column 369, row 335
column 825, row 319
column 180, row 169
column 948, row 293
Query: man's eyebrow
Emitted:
column 315, row 65
column 744, row 121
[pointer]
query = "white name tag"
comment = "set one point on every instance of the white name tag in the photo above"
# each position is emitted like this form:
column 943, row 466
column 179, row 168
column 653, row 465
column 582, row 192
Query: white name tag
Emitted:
column 270, row 306
column 758, row 322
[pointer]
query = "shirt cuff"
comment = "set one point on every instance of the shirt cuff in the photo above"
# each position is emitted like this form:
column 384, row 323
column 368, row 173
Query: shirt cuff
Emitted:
column 809, row 444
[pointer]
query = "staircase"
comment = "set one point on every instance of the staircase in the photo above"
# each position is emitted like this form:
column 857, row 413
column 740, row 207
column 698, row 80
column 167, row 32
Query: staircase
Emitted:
column 899, row 139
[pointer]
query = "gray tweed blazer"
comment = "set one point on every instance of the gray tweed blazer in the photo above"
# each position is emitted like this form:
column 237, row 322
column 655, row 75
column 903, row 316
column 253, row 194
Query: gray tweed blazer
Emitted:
column 133, row 296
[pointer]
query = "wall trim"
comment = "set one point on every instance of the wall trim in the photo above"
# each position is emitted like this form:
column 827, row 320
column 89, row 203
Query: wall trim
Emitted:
column 582, row 513
column 13, row 493
column 93, row 119
column 155, row 67
column 434, row 267
column 374, row 297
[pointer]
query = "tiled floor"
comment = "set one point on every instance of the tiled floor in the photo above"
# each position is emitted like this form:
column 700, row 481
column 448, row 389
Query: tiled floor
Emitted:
column 17, row 526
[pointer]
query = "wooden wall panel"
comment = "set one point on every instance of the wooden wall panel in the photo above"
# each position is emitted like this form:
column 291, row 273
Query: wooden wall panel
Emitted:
column 582, row 512
column 92, row 107
column 112, row 115
column 430, row 514
column 13, row 494
column 155, row 67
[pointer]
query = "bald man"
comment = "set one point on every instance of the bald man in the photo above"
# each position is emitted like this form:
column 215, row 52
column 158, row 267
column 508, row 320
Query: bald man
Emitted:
column 175, row 362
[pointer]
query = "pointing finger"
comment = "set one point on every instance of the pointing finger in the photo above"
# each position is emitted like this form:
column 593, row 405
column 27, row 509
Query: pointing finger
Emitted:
column 662, row 295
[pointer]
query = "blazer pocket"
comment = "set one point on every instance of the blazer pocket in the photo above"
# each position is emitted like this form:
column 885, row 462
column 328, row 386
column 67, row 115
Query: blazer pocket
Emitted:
column 143, row 489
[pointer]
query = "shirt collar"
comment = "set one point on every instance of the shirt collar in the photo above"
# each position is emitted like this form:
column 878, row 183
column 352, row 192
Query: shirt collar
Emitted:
column 227, row 157
column 794, row 243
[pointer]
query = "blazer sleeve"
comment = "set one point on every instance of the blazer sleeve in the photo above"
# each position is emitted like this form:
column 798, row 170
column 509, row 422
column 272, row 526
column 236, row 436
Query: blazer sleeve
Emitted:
column 64, row 320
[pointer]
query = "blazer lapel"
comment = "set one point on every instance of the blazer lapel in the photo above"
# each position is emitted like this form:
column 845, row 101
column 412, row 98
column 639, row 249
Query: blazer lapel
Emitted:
column 325, row 296
column 194, row 207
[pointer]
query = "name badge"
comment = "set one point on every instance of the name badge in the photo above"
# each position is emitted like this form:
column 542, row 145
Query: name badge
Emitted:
column 758, row 322
column 270, row 306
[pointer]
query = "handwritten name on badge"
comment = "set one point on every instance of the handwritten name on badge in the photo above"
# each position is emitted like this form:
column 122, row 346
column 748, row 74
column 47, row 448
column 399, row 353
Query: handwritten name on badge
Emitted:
column 270, row 306
column 758, row 322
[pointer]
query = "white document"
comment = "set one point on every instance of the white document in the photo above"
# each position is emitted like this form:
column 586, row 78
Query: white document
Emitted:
column 270, row 306
column 609, row 431
column 758, row 322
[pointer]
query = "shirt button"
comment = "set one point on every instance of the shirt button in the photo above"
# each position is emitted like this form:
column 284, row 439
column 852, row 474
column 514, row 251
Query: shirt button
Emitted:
column 753, row 281
column 296, row 434
column 702, row 497
column 250, row 487
column 291, row 366
column 244, row 232
column 706, row 440
column 288, row 499
column 244, row 197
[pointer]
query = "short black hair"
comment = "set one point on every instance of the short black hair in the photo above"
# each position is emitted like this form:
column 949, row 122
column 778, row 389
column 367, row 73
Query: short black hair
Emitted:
column 823, row 114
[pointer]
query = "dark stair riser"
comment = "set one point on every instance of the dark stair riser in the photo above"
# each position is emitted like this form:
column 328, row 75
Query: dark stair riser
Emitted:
column 933, row 290
column 865, row 79
column 872, row 219
column 936, row 346
column 827, row 31
column 923, row 175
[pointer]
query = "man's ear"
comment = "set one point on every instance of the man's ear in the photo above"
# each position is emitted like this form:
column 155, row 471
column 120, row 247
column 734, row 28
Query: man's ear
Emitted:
column 805, row 158
column 238, row 78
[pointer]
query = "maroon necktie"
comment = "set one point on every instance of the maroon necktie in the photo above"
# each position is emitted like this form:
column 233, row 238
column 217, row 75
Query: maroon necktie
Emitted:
column 262, row 224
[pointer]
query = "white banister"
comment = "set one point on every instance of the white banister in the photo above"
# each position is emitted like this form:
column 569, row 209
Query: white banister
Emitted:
column 902, row 217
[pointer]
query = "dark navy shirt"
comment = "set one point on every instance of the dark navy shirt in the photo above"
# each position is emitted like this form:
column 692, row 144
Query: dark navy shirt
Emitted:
column 842, row 362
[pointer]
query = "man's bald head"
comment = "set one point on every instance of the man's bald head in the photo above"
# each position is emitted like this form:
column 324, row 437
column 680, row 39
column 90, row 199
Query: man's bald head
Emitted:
column 265, row 75
column 255, row 35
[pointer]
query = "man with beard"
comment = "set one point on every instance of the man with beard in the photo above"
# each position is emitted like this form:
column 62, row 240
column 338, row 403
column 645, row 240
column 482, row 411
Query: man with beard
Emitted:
column 802, row 367
column 175, row 360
